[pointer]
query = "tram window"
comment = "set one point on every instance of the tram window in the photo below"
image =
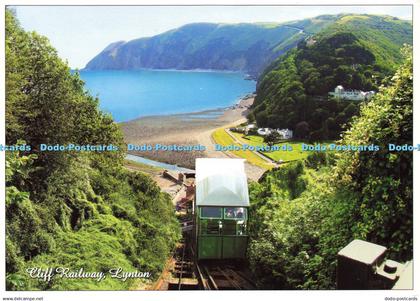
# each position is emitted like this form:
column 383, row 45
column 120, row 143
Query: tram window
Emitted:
column 211, row 212
column 235, row 213
column 209, row 227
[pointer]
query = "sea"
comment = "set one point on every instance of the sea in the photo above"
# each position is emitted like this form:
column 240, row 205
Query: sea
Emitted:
column 128, row 95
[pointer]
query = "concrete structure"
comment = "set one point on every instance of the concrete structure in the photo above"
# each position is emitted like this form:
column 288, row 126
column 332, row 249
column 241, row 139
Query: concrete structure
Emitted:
column 341, row 93
column 363, row 265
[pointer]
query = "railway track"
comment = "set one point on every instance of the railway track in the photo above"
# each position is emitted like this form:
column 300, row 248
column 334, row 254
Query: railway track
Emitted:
column 223, row 277
column 183, row 272
column 188, row 275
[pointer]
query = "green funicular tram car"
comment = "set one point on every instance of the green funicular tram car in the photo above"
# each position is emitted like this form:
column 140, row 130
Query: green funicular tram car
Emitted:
column 221, row 209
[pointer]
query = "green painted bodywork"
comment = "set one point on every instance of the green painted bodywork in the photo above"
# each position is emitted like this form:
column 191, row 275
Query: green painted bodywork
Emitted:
column 227, row 241
column 222, row 247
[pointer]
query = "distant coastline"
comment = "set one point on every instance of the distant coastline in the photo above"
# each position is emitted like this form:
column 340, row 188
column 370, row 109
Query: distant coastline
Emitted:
column 168, row 70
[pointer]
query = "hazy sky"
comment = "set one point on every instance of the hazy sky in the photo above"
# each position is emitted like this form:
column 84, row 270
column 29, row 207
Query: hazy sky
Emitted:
column 81, row 32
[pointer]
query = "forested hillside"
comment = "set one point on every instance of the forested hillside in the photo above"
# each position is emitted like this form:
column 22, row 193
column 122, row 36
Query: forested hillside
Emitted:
column 356, row 51
column 302, row 214
column 238, row 47
column 72, row 209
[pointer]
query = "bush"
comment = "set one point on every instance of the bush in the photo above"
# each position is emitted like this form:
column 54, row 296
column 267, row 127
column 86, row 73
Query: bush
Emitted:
column 301, row 217
column 72, row 209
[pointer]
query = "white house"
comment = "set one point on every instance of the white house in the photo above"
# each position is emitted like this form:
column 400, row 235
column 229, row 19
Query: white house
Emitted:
column 285, row 133
column 264, row 131
column 250, row 126
column 341, row 93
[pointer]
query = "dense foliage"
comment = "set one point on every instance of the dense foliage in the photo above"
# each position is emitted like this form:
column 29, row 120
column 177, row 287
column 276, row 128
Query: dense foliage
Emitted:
column 72, row 209
column 304, row 213
column 382, row 35
column 385, row 178
column 294, row 90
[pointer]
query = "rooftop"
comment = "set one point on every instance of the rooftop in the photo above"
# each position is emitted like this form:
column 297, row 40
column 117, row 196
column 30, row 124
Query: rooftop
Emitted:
column 221, row 182
column 362, row 251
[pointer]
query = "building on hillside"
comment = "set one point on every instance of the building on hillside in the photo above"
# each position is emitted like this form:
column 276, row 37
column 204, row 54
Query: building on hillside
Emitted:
column 250, row 128
column 284, row 133
column 341, row 93
column 310, row 41
column 264, row 131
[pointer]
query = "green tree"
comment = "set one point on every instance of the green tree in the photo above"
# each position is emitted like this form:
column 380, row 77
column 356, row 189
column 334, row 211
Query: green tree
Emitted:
column 272, row 138
column 388, row 185
column 301, row 217
column 77, row 209
column 302, row 130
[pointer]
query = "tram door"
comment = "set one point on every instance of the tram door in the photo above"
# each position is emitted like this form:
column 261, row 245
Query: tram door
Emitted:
column 210, row 239
column 234, row 236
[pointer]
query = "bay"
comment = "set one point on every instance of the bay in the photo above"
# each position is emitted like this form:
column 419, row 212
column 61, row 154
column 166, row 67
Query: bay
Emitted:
column 128, row 95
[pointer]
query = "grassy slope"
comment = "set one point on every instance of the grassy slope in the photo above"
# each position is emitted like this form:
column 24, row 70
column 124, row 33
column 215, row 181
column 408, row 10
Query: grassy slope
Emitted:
column 295, row 154
column 383, row 35
column 147, row 169
column 221, row 137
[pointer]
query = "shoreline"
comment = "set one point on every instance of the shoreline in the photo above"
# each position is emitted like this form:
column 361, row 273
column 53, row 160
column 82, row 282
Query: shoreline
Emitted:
column 241, row 101
column 182, row 128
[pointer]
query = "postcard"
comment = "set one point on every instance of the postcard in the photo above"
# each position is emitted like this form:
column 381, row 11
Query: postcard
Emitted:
column 208, row 147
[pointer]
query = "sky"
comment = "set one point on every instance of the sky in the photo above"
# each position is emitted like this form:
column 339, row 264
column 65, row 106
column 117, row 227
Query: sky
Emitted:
column 81, row 32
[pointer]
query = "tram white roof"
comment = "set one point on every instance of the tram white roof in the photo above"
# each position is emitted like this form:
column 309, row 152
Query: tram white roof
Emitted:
column 221, row 182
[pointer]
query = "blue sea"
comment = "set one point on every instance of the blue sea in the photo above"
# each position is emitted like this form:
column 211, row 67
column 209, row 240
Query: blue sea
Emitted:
column 131, row 94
